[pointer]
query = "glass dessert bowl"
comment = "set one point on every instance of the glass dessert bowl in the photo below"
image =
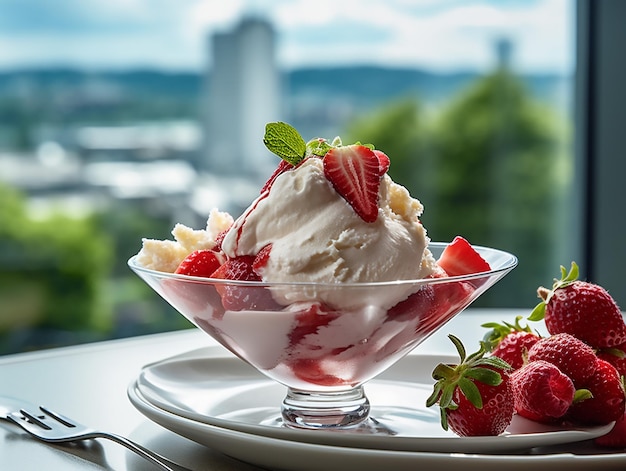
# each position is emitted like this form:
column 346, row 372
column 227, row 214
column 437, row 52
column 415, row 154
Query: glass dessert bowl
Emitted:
column 324, row 341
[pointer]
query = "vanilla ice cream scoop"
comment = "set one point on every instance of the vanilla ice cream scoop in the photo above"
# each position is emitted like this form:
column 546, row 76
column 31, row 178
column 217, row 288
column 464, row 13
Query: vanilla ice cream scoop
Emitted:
column 329, row 215
column 317, row 237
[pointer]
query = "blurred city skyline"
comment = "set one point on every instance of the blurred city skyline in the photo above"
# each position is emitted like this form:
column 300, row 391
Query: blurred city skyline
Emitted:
column 121, row 118
column 172, row 35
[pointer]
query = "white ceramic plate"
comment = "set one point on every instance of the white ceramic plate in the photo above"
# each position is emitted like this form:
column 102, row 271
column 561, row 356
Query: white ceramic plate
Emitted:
column 225, row 393
column 277, row 454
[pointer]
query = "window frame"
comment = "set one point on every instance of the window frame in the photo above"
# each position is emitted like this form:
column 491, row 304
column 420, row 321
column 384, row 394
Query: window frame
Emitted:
column 600, row 140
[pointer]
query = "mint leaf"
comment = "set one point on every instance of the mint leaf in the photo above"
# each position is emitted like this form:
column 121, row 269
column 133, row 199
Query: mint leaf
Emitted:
column 284, row 141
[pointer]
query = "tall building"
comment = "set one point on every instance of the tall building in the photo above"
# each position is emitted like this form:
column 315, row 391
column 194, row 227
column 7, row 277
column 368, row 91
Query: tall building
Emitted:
column 244, row 93
column 504, row 54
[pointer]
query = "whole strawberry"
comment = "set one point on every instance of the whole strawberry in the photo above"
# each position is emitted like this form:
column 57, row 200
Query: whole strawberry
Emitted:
column 510, row 342
column 584, row 310
column 236, row 297
column 572, row 356
column 474, row 397
column 608, row 401
column 541, row 391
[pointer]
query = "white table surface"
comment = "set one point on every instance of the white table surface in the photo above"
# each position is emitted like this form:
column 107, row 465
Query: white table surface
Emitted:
column 88, row 384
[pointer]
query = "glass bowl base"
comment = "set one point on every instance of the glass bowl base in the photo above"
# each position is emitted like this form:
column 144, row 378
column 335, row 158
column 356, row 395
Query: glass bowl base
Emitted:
column 329, row 410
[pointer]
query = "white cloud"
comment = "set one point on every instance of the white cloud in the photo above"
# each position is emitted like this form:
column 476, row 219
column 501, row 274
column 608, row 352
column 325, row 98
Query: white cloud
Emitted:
column 440, row 38
column 441, row 34
column 203, row 16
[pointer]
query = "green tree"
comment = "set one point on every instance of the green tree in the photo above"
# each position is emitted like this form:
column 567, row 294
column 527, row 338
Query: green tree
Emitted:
column 51, row 271
column 499, row 178
column 399, row 130
column 12, row 210
column 126, row 224
column 491, row 166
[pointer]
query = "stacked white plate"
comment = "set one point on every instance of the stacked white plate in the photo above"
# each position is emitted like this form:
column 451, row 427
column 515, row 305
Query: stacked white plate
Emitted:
column 222, row 403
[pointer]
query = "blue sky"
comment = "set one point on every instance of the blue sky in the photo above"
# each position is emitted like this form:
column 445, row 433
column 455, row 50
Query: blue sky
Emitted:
column 173, row 34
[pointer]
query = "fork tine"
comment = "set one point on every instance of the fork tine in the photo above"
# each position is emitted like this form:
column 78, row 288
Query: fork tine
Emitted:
column 34, row 419
column 58, row 417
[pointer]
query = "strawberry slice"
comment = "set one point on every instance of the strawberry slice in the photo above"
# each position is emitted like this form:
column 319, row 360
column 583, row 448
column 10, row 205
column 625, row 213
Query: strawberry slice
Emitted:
column 383, row 162
column 311, row 371
column 199, row 263
column 310, row 321
column 354, row 172
column 460, row 258
column 261, row 258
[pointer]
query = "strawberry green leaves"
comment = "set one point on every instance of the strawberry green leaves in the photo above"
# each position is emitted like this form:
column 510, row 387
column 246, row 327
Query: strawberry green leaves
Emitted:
column 499, row 331
column 470, row 376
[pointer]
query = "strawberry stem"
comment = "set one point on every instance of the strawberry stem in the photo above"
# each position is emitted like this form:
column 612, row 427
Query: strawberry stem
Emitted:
column 501, row 330
column 567, row 278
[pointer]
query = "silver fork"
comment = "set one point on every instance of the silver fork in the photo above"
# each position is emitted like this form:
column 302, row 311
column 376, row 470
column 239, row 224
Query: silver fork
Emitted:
column 52, row 427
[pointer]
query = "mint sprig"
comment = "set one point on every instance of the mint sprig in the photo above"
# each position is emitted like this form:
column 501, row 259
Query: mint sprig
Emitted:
column 285, row 141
